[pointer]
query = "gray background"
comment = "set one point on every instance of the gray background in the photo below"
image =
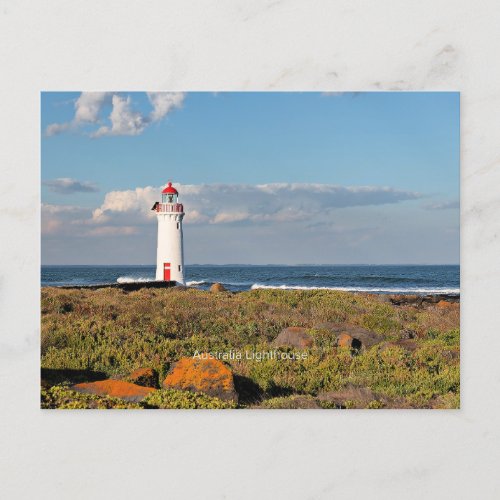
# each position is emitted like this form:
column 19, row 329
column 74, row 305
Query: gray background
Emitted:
column 243, row 45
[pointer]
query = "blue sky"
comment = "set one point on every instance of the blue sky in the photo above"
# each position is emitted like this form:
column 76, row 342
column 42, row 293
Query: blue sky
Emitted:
column 110, row 153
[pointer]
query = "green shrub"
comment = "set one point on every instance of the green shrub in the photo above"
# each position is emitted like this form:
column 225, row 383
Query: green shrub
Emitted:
column 382, row 319
column 174, row 399
column 63, row 398
column 290, row 402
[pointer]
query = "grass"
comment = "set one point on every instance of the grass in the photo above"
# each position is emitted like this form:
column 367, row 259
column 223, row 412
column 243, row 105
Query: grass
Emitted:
column 114, row 332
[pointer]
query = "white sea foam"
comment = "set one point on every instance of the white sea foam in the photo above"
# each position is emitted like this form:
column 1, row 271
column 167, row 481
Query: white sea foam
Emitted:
column 130, row 279
column 195, row 283
column 257, row 286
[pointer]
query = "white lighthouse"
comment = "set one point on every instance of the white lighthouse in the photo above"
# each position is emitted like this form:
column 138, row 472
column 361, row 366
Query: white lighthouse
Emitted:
column 170, row 252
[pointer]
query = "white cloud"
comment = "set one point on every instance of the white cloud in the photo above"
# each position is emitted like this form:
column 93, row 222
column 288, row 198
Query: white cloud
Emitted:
column 246, row 203
column 87, row 109
column 112, row 231
column 196, row 217
column 268, row 223
column 123, row 119
column 225, row 217
column 72, row 221
column 66, row 185
column 57, row 128
column 133, row 201
column 89, row 105
column 57, row 219
column 163, row 103
column 125, row 213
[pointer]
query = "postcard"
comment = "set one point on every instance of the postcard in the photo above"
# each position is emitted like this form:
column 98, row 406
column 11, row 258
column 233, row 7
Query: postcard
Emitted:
column 250, row 250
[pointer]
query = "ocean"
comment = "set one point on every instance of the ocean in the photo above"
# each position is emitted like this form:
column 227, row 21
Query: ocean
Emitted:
column 360, row 278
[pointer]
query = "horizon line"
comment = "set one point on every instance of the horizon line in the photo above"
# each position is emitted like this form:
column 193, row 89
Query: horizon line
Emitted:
column 263, row 265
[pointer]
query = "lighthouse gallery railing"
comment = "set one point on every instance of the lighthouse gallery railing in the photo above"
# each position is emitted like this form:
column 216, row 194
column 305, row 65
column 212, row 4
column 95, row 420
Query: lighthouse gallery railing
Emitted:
column 170, row 207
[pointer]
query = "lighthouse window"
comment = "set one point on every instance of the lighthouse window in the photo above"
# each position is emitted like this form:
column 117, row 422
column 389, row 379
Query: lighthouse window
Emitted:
column 179, row 268
column 177, row 225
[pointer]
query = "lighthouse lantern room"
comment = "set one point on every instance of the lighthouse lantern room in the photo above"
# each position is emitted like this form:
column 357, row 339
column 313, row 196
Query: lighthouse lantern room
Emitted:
column 170, row 251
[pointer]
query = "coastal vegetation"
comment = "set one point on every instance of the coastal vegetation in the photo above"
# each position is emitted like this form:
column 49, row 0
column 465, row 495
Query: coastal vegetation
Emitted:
column 409, row 359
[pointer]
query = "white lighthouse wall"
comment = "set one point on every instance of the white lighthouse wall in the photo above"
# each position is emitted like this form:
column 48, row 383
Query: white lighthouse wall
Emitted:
column 170, row 246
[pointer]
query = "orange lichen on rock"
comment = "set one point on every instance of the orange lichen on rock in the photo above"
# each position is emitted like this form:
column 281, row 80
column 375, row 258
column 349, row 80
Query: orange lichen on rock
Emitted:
column 115, row 389
column 344, row 340
column 209, row 376
column 444, row 304
column 218, row 287
column 367, row 338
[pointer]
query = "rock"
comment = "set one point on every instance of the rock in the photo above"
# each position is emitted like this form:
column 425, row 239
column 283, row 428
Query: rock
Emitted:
column 345, row 340
column 451, row 354
column 294, row 336
column 406, row 300
column 358, row 397
column 217, row 287
column 420, row 301
column 147, row 377
column 366, row 337
column 384, row 298
column 116, row 389
column 444, row 304
column 408, row 333
column 209, row 376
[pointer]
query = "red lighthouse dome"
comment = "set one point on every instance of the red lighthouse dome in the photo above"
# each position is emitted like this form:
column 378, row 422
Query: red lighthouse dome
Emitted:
column 169, row 189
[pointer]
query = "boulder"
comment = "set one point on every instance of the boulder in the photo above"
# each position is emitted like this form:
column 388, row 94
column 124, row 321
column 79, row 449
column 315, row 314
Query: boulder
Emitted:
column 217, row 287
column 407, row 333
column 353, row 396
column 210, row 376
column 147, row 377
column 366, row 337
column 345, row 340
column 350, row 396
column 406, row 300
column 444, row 304
column 294, row 336
column 116, row 389
column 420, row 301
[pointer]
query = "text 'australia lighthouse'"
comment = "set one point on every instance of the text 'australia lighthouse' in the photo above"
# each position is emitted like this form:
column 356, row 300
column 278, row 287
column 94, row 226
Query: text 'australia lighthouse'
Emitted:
column 170, row 252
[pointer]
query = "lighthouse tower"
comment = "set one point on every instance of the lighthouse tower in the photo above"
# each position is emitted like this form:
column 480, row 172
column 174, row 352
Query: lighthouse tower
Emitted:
column 170, row 254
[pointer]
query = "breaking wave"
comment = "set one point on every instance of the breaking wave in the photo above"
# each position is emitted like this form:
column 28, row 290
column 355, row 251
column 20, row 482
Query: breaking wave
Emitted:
column 195, row 283
column 131, row 279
